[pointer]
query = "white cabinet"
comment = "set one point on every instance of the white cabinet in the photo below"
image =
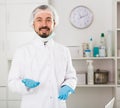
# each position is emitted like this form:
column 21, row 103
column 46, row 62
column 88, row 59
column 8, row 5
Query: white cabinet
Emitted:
column 16, row 39
column 18, row 17
column 3, row 97
column 3, row 71
column 13, row 96
column 118, row 93
column 3, row 104
column 19, row 27
column 118, row 104
column 13, row 104
column 3, row 62
column 3, row 93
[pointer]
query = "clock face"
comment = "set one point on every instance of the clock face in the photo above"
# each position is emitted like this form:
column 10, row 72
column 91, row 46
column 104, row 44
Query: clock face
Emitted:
column 81, row 17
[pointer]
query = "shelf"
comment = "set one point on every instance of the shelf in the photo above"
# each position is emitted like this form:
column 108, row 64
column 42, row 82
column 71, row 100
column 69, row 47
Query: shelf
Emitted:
column 118, row 85
column 118, row 57
column 118, row 0
column 3, row 86
column 98, row 85
column 118, row 29
column 94, row 58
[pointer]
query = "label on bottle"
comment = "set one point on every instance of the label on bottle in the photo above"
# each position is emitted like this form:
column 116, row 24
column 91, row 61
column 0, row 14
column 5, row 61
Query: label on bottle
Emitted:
column 102, row 52
column 84, row 47
column 87, row 53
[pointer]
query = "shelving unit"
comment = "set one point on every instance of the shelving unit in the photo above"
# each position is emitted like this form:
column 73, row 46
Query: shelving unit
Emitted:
column 117, row 34
column 95, row 58
column 106, row 63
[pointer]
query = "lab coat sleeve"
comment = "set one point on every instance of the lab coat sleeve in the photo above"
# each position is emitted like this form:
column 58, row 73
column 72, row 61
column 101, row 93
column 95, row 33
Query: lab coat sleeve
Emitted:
column 70, row 76
column 15, row 75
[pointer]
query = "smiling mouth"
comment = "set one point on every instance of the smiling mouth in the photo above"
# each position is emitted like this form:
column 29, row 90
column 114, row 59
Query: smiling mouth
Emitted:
column 44, row 28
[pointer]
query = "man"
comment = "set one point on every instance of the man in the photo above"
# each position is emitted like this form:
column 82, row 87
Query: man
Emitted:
column 42, row 70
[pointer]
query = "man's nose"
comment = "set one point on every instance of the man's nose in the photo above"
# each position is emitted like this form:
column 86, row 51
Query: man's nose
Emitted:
column 44, row 22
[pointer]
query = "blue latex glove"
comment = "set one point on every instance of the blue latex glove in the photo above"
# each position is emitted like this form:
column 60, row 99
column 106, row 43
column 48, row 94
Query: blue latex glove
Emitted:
column 64, row 92
column 30, row 83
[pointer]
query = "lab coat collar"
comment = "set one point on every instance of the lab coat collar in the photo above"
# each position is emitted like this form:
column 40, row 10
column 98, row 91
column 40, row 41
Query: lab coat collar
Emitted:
column 40, row 42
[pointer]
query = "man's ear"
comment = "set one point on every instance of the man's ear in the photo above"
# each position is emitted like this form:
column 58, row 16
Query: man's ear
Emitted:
column 54, row 23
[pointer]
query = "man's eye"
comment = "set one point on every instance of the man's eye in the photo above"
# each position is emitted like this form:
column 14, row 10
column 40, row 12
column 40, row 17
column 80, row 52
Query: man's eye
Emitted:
column 39, row 20
column 49, row 20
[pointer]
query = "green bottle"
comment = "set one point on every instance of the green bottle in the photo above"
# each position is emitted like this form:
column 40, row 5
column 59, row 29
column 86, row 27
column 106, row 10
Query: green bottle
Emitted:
column 102, row 48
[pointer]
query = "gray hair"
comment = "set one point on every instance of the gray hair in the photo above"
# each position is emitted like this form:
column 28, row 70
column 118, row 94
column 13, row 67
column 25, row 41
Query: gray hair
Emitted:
column 44, row 7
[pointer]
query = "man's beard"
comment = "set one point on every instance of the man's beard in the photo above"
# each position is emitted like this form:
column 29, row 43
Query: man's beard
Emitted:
column 44, row 35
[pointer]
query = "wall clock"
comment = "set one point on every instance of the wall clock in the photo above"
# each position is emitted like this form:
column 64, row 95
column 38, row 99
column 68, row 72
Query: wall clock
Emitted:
column 81, row 17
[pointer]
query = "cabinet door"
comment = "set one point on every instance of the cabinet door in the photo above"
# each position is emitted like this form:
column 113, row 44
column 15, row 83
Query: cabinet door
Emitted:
column 18, row 26
column 118, row 93
column 18, row 17
column 3, row 97
column 13, row 104
column 13, row 96
column 3, row 104
column 3, row 71
column 118, row 104
column 16, row 39
column 3, row 68
column 3, row 93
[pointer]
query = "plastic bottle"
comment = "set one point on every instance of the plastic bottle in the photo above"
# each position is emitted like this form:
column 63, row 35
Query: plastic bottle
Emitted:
column 96, row 50
column 91, row 47
column 109, row 43
column 90, row 72
column 102, row 48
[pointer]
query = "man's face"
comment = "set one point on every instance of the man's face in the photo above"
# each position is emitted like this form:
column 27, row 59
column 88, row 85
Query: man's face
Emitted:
column 43, row 23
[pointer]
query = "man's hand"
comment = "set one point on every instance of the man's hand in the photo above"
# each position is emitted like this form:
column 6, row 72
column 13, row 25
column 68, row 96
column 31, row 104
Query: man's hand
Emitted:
column 64, row 92
column 30, row 83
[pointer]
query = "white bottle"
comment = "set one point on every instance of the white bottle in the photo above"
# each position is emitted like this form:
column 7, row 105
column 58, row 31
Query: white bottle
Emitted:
column 102, row 48
column 109, row 43
column 91, row 47
column 90, row 72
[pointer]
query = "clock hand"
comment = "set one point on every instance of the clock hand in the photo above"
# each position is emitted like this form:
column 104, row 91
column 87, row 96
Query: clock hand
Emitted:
column 82, row 16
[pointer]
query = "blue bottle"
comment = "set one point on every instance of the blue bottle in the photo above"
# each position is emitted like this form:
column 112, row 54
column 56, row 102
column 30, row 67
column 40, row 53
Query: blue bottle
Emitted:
column 96, row 51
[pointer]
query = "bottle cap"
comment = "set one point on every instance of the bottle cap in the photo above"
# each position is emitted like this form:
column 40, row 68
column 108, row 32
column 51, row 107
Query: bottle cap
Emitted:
column 91, row 39
column 102, row 34
column 87, row 50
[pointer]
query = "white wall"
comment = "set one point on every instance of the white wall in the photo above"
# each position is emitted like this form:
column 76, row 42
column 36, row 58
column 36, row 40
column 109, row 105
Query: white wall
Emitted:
column 66, row 33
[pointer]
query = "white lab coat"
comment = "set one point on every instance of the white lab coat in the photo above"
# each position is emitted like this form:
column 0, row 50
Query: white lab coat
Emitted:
column 49, row 64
